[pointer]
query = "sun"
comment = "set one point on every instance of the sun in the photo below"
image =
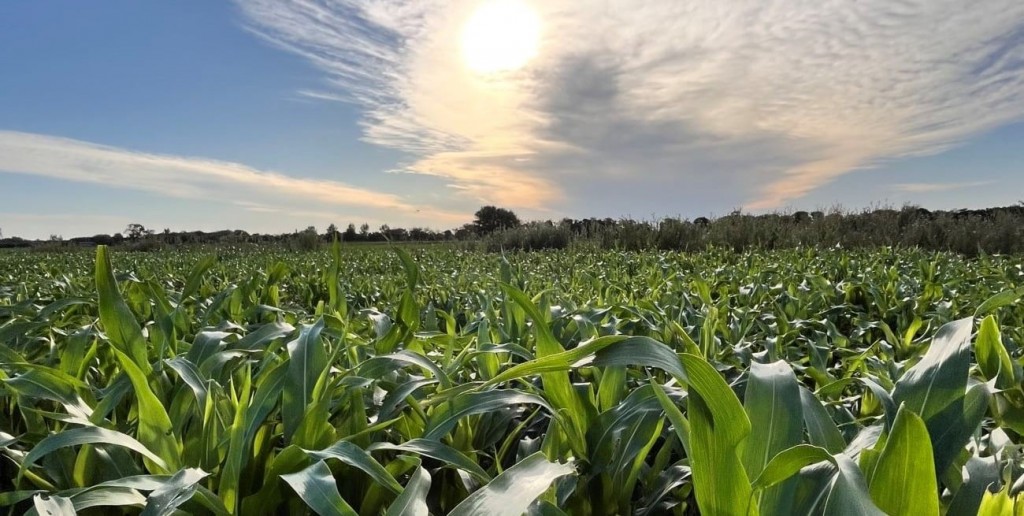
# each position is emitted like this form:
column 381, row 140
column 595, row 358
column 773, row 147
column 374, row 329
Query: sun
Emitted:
column 500, row 36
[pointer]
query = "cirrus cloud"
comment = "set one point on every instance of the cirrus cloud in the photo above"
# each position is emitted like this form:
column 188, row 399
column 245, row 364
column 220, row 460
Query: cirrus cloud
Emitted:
column 775, row 98
column 197, row 178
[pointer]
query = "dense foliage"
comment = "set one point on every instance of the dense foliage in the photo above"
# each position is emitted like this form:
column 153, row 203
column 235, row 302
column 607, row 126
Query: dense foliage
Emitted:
column 437, row 380
column 968, row 232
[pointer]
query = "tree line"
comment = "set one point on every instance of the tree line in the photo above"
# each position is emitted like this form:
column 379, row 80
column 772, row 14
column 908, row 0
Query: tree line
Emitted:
column 991, row 230
column 487, row 220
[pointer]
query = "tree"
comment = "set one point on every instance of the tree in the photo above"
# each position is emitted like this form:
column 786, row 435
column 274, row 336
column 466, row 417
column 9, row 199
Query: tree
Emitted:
column 364, row 229
column 102, row 239
column 308, row 239
column 137, row 231
column 491, row 218
column 332, row 233
column 350, row 233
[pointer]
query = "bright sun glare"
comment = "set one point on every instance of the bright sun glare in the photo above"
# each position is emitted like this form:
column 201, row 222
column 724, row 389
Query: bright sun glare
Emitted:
column 501, row 35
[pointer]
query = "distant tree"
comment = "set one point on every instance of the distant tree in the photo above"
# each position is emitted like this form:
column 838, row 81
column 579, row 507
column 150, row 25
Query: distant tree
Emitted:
column 332, row 233
column 491, row 218
column 364, row 229
column 136, row 231
column 419, row 234
column 397, row 234
column 308, row 239
column 466, row 231
column 102, row 239
column 350, row 233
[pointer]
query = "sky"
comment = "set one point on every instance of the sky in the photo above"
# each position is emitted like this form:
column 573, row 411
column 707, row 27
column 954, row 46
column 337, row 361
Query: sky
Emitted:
column 273, row 115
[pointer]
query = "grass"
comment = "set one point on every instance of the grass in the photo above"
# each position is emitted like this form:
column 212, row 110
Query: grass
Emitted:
column 376, row 380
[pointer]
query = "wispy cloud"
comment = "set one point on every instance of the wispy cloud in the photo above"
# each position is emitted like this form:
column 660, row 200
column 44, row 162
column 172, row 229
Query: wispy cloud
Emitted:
column 197, row 178
column 775, row 98
column 938, row 187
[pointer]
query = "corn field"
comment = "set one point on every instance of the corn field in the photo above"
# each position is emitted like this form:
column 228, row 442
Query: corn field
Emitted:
column 407, row 381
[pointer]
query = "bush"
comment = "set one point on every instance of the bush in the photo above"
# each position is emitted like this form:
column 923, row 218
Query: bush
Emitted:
column 535, row 236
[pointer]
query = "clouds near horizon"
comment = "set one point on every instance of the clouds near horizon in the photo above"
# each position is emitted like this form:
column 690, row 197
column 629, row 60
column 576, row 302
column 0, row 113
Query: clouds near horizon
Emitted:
column 773, row 99
column 258, row 191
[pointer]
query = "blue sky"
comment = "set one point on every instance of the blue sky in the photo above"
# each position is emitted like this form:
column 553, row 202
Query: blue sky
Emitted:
column 271, row 115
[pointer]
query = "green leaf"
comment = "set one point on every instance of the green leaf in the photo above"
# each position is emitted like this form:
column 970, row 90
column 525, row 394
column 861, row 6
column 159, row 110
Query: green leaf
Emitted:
column 941, row 376
column 190, row 374
column 269, row 385
column 998, row 504
column 413, row 500
column 238, row 446
column 612, row 387
column 358, row 458
column 307, row 359
column 316, row 486
column 718, row 425
column 993, row 360
column 620, row 440
column 956, row 424
column 86, row 435
column 789, row 462
column 53, row 505
column 679, row 422
column 447, row 455
column 263, row 336
column 888, row 405
column 935, row 387
column 847, row 494
column 512, row 492
column 564, row 360
column 105, row 496
column 334, row 297
column 641, row 351
column 999, row 300
column 903, row 481
column 195, row 276
column 772, row 402
column 558, row 388
column 982, row 474
column 117, row 319
column 377, row 367
column 155, row 430
column 52, row 384
column 165, row 500
column 821, row 429
column 468, row 403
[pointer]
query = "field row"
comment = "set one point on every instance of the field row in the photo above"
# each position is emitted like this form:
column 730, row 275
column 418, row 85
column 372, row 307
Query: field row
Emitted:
column 442, row 381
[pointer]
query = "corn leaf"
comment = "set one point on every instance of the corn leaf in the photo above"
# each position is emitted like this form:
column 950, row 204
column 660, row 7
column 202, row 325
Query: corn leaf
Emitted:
column 903, row 481
column 512, row 492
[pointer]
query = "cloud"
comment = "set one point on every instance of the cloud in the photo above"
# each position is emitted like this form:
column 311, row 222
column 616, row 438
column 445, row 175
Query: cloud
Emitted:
column 197, row 178
column 938, row 187
column 772, row 99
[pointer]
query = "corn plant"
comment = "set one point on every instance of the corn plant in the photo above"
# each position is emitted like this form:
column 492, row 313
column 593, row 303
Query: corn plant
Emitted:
column 443, row 381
